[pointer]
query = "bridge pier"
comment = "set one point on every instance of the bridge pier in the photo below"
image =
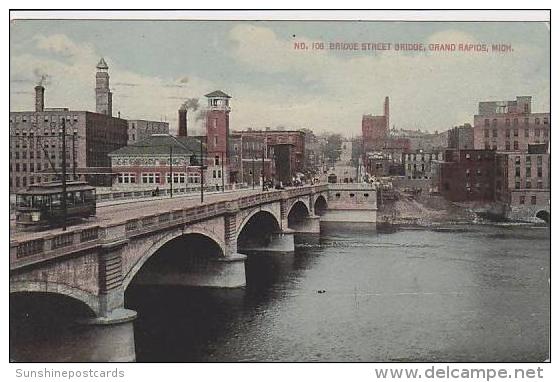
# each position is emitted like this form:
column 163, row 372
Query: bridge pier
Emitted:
column 106, row 339
column 279, row 242
column 309, row 225
column 218, row 272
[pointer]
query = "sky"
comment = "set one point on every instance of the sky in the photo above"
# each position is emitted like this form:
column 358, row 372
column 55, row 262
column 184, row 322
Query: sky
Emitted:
column 156, row 65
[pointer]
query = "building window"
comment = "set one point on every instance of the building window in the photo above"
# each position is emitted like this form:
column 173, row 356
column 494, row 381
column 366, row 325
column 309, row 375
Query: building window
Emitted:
column 215, row 140
column 494, row 133
column 126, row 178
column 507, row 133
column 486, row 122
column 486, row 133
column 526, row 121
column 539, row 172
column 539, row 184
column 517, row 185
column 526, row 133
column 507, row 122
column 508, row 146
column 545, row 121
column 517, row 172
column 515, row 145
column 537, row 121
column 494, row 122
column 216, row 160
column 215, row 123
column 194, row 177
column 515, row 121
column 486, row 146
column 214, row 174
column 521, row 199
column 467, row 173
column 151, row 177
column 528, row 184
column 528, row 172
column 515, row 132
column 533, row 199
column 220, row 174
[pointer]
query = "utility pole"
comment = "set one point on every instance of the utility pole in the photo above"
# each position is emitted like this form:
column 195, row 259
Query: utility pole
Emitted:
column 171, row 171
column 223, row 174
column 262, row 169
column 253, row 172
column 201, row 172
column 74, row 156
column 64, row 204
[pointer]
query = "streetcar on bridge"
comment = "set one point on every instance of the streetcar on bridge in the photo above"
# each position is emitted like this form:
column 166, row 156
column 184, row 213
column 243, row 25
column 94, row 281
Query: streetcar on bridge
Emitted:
column 41, row 205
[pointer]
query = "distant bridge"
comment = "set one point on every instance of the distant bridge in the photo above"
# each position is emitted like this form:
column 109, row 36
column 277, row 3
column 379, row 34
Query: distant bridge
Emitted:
column 94, row 263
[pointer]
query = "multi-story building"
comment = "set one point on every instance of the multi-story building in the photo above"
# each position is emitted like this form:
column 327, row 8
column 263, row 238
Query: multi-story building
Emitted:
column 461, row 137
column 466, row 175
column 418, row 165
column 36, row 139
column 524, row 182
column 421, row 140
column 375, row 129
column 139, row 129
column 510, row 125
column 283, row 152
column 158, row 161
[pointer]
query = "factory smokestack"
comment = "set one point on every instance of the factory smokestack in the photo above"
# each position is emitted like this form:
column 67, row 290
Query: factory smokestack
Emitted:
column 190, row 104
column 386, row 112
column 39, row 98
column 182, row 122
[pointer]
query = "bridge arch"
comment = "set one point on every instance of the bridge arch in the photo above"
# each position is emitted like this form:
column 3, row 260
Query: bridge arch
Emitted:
column 51, row 288
column 320, row 206
column 297, row 214
column 543, row 215
column 172, row 237
column 257, row 228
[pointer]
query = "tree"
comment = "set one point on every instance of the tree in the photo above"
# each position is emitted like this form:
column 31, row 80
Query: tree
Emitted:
column 333, row 148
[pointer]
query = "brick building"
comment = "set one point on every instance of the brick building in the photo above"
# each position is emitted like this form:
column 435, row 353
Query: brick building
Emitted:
column 147, row 164
column 284, row 153
column 418, row 165
column 524, row 181
column 375, row 129
column 36, row 139
column 139, row 129
column 510, row 125
column 466, row 175
column 461, row 137
column 217, row 137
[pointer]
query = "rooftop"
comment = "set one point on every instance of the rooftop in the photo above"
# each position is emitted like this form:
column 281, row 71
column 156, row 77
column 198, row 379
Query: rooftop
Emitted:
column 217, row 93
column 159, row 144
column 102, row 64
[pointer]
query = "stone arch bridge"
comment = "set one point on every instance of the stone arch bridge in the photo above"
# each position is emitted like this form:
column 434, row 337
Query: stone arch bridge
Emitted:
column 94, row 264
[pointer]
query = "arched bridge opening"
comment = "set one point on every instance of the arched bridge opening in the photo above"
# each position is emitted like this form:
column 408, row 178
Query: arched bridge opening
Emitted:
column 259, row 233
column 180, row 261
column 544, row 216
column 297, row 215
column 44, row 326
column 320, row 206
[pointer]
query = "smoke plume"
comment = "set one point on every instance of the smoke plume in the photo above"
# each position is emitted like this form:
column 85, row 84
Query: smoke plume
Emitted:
column 190, row 104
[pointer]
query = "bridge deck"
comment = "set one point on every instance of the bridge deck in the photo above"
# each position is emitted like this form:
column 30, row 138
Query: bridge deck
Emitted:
column 108, row 213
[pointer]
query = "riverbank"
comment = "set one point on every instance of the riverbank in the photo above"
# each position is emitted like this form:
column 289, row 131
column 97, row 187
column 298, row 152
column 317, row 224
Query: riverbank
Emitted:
column 432, row 211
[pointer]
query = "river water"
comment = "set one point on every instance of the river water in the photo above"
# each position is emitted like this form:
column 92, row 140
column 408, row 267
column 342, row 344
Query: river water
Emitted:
column 467, row 293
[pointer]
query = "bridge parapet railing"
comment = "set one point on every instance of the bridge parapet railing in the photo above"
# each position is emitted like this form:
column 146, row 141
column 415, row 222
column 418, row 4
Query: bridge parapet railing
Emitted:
column 53, row 245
